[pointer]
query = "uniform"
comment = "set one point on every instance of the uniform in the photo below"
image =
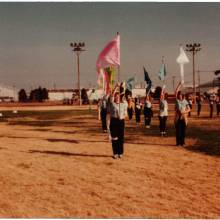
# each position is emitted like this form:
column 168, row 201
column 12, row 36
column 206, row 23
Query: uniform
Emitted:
column 180, row 121
column 103, row 112
column 163, row 114
column 118, row 112
column 138, row 108
column 148, row 113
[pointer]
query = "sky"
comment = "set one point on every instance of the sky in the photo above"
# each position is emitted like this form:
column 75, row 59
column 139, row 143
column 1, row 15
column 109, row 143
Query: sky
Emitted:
column 35, row 40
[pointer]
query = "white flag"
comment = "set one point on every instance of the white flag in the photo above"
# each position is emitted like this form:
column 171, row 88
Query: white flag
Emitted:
column 182, row 59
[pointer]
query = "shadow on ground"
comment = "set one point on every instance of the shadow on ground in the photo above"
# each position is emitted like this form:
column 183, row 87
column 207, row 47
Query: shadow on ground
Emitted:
column 208, row 141
column 67, row 153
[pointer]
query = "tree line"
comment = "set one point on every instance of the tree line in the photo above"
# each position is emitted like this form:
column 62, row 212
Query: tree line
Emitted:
column 36, row 95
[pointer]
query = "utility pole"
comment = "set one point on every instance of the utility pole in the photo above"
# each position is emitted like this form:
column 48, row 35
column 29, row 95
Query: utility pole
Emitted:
column 78, row 49
column 174, row 82
column 199, row 80
column 193, row 48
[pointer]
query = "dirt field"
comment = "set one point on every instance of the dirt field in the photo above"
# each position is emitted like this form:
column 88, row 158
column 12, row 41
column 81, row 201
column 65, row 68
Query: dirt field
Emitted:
column 57, row 163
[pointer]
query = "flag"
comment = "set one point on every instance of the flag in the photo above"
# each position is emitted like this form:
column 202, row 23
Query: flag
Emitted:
column 110, row 55
column 148, row 81
column 162, row 72
column 146, row 76
column 107, row 60
column 182, row 59
column 109, row 78
column 130, row 83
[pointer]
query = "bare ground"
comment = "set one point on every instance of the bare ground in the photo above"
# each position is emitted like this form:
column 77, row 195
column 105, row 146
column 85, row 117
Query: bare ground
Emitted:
column 59, row 164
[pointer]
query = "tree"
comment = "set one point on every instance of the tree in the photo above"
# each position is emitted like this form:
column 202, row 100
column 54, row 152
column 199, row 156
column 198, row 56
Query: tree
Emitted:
column 45, row 94
column 84, row 96
column 22, row 96
column 39, row 94
column 157, row 92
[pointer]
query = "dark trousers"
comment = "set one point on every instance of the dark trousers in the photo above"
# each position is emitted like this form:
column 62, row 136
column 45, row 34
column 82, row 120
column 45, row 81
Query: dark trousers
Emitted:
column 103, row 118
column 199, row 109
column 163, row 121
column 117, row 131
column 180, row 132
column 138, row 115
column 130, row 113
column 147, row 120
column 211, row 111
column 218, row 108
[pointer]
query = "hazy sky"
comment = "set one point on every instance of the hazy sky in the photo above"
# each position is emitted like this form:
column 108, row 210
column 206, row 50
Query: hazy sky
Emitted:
column 35, row 38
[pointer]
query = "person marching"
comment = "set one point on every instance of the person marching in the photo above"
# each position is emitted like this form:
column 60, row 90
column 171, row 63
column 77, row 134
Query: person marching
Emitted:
column 218, row 104
column 199, row 100
column 130, row 107
column 211, row 104
column 138, row 108
column 118, row 112
column 181, row 110
column 163, row 112
column 148, row 113
column 103, row 112
column 190, row 101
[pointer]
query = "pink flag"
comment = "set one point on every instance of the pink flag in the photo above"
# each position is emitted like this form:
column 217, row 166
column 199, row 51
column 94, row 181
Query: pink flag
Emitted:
column 110, row 55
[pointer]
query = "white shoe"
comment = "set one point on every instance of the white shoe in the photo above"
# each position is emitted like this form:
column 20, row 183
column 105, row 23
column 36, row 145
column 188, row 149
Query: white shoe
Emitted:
column 120, row 155
column 114, row 156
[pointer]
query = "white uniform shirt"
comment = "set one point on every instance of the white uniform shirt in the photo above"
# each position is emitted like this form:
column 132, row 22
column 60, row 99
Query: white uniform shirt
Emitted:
column 118, row 110
column 163, row 108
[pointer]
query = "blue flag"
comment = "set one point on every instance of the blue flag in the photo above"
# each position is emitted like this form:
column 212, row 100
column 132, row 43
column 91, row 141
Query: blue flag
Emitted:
column 162, row 72
column 130, row 83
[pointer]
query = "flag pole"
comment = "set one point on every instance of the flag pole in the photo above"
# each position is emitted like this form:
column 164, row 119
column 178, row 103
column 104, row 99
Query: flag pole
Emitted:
column 120, row 84
column 118, row 65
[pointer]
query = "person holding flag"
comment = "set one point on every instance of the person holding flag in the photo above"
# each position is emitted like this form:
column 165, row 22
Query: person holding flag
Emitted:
column 148, row 112
column 181, row 111
column 110, row 58
column 118, row 112
column 163, row 111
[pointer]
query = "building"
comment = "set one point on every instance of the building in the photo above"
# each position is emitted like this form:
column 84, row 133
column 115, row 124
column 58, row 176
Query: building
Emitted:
column 60, row 94
column 8, row 94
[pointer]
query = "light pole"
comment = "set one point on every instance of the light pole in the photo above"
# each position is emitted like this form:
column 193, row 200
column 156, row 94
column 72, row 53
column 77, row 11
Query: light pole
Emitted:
column 78, row 48
column 174, row 82
column 193, row 48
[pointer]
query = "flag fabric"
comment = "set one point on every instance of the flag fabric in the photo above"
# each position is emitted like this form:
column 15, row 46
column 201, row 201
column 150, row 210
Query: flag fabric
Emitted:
column 109, row 78
column 146, row 76
column 148, row 81
column 182, row 59
column 130, row 83
column 162, row 72
column 107, row 60
column 110, row 55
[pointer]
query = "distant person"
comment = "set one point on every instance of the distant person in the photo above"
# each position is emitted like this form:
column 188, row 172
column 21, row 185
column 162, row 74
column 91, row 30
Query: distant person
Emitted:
column 218, row 104
column 148, row 112
column 163, row 112
column 103, row 112
column 190, row 101
column 118, row 112
column 130, row 107
column 181, row 111
column 138, row 107
column 199, row 101
column 211, row 104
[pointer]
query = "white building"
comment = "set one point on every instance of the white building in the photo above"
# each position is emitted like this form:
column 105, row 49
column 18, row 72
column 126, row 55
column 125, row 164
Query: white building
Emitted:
column 60, row 94
column 8, row 93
